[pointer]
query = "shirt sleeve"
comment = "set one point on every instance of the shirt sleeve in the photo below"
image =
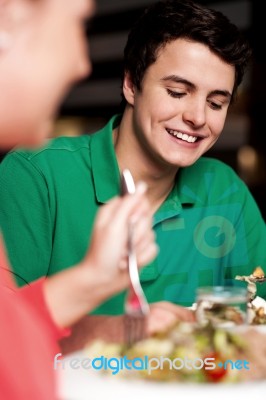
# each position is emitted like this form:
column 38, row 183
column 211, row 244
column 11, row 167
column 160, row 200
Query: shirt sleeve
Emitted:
column 25, row 218
column 34, row 294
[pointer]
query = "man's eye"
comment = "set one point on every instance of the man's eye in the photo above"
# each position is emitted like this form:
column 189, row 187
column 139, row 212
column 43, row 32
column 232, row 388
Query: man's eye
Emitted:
column 215, row 106
column 174, row 94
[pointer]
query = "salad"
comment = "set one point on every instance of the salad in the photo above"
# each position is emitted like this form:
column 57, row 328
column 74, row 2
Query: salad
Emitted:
column 198, row 354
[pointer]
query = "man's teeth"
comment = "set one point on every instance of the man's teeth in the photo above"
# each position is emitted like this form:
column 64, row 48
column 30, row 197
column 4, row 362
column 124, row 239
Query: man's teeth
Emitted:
column 183, row 136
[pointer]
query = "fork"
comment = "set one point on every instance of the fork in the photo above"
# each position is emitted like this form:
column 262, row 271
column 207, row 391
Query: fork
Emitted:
column 136, row 304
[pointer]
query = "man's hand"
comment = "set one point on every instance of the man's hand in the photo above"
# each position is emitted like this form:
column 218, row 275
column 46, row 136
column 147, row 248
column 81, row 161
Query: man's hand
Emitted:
column 164, row 314
column 111, row 328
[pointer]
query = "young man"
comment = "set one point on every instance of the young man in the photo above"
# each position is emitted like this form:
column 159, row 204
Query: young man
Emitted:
column 183, row 64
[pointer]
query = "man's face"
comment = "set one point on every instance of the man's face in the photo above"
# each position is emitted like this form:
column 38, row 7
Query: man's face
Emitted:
column 180, row 111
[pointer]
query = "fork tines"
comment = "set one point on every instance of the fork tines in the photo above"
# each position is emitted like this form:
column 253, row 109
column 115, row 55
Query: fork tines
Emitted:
column 135, row 328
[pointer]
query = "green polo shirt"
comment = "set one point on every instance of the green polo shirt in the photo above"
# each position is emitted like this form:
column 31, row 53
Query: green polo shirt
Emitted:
column 209, row 229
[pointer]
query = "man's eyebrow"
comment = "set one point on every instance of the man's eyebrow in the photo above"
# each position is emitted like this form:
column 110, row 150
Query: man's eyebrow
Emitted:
column 224, row 93
column 179, row 79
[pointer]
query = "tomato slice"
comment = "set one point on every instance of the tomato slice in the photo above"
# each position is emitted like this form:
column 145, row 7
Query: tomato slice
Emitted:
column 219, row 372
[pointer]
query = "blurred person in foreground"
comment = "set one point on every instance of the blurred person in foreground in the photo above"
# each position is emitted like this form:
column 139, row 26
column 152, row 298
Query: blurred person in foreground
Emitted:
column 183, row 64
column 36, row 70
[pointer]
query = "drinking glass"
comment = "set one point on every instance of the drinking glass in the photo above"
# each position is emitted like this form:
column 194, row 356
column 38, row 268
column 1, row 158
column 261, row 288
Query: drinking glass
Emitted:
column 224, row 306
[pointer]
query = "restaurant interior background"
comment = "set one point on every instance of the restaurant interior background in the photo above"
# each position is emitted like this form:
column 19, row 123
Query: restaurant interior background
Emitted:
column 91, row 102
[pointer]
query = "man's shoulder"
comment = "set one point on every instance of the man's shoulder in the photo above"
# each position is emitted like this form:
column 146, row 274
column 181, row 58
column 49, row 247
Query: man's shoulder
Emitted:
column 55, row 146
column 57, row 154
column 64, row 145
column 54, row 152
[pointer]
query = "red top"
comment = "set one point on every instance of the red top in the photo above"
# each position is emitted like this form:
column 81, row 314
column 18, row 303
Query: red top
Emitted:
column 28, row 340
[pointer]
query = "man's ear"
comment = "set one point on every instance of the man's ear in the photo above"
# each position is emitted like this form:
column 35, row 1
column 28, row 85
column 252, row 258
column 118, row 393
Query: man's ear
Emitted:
column 128, row 89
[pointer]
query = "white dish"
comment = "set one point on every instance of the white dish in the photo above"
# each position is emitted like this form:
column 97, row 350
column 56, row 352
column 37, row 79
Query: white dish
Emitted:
column 84, row 384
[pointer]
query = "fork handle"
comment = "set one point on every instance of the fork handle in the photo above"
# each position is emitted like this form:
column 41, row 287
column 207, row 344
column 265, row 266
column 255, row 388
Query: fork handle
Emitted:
column 136, row 295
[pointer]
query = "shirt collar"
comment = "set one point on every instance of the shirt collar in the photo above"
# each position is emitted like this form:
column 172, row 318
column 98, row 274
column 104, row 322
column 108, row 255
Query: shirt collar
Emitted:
column 178, row 197
column 105, row 169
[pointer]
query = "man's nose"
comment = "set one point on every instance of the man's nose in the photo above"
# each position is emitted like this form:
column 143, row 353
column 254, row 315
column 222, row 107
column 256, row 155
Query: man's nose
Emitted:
column 84, row 66
column 195, row 112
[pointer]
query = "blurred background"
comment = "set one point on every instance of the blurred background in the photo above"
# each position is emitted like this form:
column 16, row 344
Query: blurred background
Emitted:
column 94, row 100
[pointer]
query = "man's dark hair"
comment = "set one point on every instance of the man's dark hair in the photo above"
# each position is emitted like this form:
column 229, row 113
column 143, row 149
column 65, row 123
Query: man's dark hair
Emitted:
column 169, row 20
